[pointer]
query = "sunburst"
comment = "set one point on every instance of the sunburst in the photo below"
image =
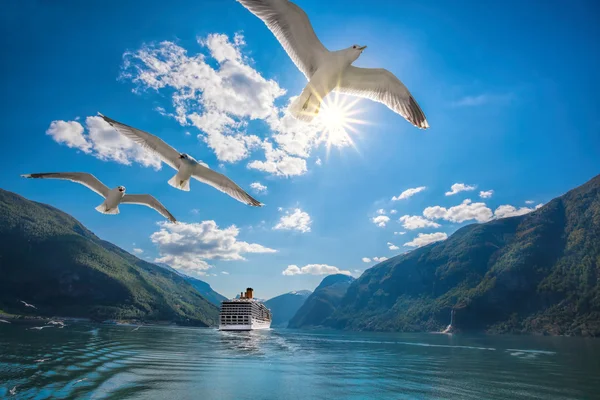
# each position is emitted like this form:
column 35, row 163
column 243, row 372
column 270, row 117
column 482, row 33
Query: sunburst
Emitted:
column 337, row 120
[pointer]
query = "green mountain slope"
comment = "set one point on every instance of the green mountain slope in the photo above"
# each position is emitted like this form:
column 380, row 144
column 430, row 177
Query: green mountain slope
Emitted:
column 322, row 302
column 285, row 306
column 206, row 291
column 536, row 273
column 49, row 259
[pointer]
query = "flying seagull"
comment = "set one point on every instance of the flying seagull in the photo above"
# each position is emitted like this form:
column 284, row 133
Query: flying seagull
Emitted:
column 187, row 167
column 13, row 391
column 27, row 304
column 4, row 321
column 39, row 328
column 113, row 197
column 330, row 70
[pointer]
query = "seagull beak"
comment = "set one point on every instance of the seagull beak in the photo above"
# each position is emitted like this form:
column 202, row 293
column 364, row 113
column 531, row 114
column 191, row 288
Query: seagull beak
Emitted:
column 362, row 48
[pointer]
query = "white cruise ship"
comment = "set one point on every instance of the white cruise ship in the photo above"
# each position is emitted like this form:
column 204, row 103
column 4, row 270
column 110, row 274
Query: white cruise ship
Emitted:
column 244, row 314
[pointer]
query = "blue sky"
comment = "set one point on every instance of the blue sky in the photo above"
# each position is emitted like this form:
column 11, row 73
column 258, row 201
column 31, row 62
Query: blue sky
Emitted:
column 509, row 89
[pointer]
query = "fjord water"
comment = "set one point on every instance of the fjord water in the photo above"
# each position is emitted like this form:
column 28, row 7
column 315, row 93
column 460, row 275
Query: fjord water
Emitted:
column 190, row 363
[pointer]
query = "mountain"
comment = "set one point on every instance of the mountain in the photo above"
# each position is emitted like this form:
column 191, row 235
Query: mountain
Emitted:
column 285, row 306
column 202, row 287
column 322, row 302
column 49, row 259
column 206, row 291
column 535, row 273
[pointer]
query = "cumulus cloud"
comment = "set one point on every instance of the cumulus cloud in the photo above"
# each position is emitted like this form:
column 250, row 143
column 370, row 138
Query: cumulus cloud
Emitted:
column 380, row 220
column 486, row 194
column 529, row 201
column 466, row 211
column 258, row 187
column 138, row 251
column 102, row 141
column 319, row 162
column 506, row 210
column 393, row 211
column 297, row 220
column 366, row 260
column 417, row 222
column 409, row 193
column 392, row 246
column 379, row 259
column 424, row 239
column 314, row 269
column 459, row 187
column 218, row 91
column 399, row 233
column 186, row 246
column 381, row 211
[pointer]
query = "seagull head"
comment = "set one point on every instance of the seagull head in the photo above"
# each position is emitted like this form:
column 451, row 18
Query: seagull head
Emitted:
column 121, row 189
column 186, row 157
column 355, row 51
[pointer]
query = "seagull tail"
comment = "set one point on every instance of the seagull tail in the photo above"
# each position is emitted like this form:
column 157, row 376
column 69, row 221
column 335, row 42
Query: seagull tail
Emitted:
column 306, row 106
column 180, row 184
column 102, row 209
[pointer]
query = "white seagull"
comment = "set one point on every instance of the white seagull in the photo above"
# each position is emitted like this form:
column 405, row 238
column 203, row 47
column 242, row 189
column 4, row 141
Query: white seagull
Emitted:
column 39, row 328
column 27, row 304
column 186, row 166
column 4, row 321
column 113, row 197
column 330, row 70
column 13, row 391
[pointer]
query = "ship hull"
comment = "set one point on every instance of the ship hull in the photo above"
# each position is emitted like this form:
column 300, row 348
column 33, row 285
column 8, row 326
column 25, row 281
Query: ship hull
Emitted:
column 257, row 325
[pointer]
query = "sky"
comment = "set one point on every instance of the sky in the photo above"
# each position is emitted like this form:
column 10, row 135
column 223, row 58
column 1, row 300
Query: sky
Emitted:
column 509, row 90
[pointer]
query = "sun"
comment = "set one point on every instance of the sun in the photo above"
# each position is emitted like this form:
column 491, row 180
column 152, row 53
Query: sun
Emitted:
column 337, row 120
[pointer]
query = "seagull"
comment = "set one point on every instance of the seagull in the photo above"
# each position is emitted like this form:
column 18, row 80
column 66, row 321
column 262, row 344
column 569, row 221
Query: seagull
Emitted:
column 52, row 322
column 41, row 360
column 13, row 391
column 187, row 167
column 4, row 321
column 80, row 380
column 39, row 328
column 330, row 70
column 138, row 327
column 113, row 197
column 28, row 305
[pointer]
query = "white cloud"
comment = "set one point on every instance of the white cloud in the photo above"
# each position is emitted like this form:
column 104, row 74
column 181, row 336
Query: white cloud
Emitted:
column 379, row 259
column 466, row 211
column 225, row 272
column 258, row 187
column 102, row 141
column 319, row 162
column 366, row 260
column 399, row 233
column 529, row 201
column 297, row 220
column 380, row 220
column 186, row 246
column 381, row 211
column 195, row 211
column 219, row 92
column 424, row 239
column 417, row 222
column 459, row 187
column 393, row 211
column 486, row 194
column 482, row 99
column 278, row 162
column 409, row 193
column 138, row 251
column 314, row 269
column 506, row 210
column 392, row 246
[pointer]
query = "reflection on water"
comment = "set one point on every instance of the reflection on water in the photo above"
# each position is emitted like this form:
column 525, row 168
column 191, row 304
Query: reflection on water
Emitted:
column 87, row 361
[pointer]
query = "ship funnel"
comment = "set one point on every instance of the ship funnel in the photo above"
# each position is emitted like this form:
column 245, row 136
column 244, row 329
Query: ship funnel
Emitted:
column 241, row 295
column 249, row 293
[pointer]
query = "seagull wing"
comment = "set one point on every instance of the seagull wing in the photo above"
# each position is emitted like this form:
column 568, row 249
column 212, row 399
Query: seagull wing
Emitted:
column 148, row 141
column 87, row 180
column 224, row 184
column 381, row 85
column 291, row 27
column 149, row 201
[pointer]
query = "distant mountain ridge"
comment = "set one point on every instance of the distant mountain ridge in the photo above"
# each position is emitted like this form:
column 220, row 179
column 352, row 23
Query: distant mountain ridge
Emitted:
column 319, row 306
column 202, row 287
column 51, row 260
column 535, row 273
column 285, row 306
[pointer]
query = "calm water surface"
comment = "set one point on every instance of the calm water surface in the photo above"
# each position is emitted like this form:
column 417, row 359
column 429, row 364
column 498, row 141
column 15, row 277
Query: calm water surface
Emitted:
column 86, row 361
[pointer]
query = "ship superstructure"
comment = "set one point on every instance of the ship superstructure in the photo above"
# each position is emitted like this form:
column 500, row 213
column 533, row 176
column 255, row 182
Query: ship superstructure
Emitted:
column 244, row 314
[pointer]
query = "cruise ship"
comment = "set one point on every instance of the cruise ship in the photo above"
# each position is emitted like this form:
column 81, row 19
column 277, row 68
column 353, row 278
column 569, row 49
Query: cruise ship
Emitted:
column 244, row 314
